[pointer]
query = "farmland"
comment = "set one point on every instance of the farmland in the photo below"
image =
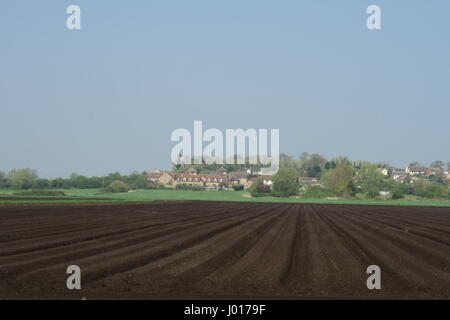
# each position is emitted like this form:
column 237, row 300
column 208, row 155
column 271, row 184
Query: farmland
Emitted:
column 197, row 249
column 93, row 195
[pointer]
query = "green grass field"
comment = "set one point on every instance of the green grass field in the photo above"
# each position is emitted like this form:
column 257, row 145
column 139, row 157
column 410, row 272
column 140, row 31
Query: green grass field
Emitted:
column 155, row 195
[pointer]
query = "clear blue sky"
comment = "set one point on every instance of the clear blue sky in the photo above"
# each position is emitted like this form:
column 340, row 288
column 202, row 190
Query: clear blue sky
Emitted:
column 106, row 98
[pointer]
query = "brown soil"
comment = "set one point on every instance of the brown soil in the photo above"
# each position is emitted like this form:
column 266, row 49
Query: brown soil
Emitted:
column 224, row 250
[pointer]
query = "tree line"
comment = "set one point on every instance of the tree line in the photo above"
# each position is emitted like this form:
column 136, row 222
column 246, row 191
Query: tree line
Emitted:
column 313, row 164
column 24, row 179
column 339, row 177
column 342, row 177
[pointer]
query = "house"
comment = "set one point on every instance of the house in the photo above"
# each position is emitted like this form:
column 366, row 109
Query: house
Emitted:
column 211, row 181
column 309, row 181
column 434, row 172
column 154, row 176
column 415, row 170
column 383, row 171
column 191, row 179
column 254, row 171
column 403, row 179
column 163, row 177
column 399, row 175
column 192, row 171
column 267, row 180
column 166, row 178
column 233, row 180
column 239, row 177
column 222, row 171
column 447, row 177
column 214, row 181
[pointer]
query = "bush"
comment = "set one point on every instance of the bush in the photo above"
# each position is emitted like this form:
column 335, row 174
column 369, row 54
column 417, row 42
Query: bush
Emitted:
column 155, row 186
column 372, row 193
column 285, row 183
column 47, row 193
column 184, row 186
column 430, row 190
column 117, row 186
column 197, row 188
column 398, row 194
column 41, row 184
column 316, row 192
column 181, row 186
column 238, row 187
column 260, row 195
column 259, row 188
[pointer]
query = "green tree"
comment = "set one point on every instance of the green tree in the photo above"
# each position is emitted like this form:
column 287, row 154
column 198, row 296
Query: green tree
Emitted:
column 330, row 165
column 438, row 164
column 315, row 192
column 304, row 156
column 430, row 190
column 372, row 193
column 311, row 165
column 3, row 180
column 22, row 178
column 339, row 180
column 398, row 194
column 285, row 182
column 286, row 161
column 369, row 178
column 117, row 186
column 41, row 184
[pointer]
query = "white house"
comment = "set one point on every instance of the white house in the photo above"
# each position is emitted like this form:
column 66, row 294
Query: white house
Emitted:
column 415, row 170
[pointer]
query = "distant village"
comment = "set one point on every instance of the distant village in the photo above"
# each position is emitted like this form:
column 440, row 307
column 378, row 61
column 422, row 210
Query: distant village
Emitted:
column 217, row 180
column 222, row 179
column 308, row 176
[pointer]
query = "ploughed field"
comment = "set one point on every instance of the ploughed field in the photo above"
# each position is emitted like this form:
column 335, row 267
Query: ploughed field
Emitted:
column 223, row 250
